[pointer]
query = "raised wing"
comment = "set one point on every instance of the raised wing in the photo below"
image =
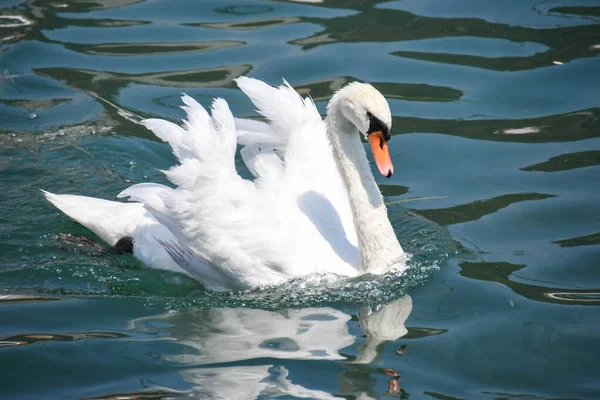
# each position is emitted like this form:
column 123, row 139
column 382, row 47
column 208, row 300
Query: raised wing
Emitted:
column 216, row 216
column 301, row 173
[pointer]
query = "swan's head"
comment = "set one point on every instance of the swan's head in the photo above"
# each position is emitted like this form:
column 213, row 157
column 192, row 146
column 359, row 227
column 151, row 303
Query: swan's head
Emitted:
column 367, row 109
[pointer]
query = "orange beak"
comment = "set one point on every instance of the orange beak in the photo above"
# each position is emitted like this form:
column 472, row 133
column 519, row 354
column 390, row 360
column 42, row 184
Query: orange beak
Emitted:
column 381, row 153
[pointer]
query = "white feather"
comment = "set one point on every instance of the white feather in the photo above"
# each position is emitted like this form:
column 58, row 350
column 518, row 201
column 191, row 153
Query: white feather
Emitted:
column 110, row 220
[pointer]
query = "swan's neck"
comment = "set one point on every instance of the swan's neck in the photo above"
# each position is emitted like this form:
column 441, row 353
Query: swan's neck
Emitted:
column 377, row 243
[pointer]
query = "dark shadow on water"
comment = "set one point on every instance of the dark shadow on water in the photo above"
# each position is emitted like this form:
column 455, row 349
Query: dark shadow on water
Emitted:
column 577, row 10
column 24, row 339
column 106, row 87
column 389, row 25
column 393, row 190
column 324, row 89
column 155, row 393
column 151, row 49
column 254, row 24
column 109, row 84
column 587, row 240
column 500, row 272
column 567, row 161
column 572, row 126
column 478, row 209
column 19, row 299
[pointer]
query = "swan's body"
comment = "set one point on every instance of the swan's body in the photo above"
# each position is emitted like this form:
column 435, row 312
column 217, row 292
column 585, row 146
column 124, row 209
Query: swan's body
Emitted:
column 313, row 207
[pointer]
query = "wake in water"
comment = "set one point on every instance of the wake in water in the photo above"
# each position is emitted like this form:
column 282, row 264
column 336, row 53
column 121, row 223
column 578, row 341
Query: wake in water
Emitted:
column 74, row 266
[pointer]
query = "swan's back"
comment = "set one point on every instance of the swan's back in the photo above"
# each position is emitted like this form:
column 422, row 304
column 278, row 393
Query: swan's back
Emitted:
column 291, row 220
column 220, row 220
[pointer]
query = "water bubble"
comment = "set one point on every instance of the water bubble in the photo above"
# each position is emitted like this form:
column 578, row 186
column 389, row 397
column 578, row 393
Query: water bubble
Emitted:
column 375, row 295
column 416, row 242
column 429, row 248
column 364, row 286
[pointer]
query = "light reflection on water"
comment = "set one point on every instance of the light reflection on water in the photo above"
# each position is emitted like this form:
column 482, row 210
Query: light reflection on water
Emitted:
column 226, row 335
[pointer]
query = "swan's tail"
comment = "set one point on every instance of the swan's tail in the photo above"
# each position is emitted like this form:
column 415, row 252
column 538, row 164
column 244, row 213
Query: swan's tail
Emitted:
column 110, row 220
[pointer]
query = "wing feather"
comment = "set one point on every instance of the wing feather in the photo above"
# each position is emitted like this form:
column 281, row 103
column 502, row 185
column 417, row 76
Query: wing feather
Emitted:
column 215, row 214
column 294, row 218
column 310, row 191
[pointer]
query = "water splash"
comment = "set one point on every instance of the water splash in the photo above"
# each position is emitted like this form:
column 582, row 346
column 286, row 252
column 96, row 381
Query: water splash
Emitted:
column 82, row 270
column 322, row 289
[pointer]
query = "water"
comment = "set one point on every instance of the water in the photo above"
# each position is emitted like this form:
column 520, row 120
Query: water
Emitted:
column 496, row 197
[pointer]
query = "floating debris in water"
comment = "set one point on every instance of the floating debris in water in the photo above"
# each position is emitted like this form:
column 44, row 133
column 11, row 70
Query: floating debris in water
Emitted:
column 402, row 349
column 394, row 386
column 390, row 372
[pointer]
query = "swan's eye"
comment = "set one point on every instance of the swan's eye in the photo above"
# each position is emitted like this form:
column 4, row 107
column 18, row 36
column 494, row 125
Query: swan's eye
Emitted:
column 375, row 125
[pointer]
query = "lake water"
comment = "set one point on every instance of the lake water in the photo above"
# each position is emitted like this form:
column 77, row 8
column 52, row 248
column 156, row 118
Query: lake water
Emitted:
column 496, row 123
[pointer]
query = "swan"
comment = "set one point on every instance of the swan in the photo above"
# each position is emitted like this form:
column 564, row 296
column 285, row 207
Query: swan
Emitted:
column 313, row 205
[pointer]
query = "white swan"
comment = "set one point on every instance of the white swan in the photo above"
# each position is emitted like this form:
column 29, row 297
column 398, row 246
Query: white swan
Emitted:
column 313, row 206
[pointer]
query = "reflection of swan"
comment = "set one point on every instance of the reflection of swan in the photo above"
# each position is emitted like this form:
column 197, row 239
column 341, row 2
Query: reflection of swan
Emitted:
column 231, row 334
column 221, row 336
column 248, row 382
column 383, row 324
column 313, row 207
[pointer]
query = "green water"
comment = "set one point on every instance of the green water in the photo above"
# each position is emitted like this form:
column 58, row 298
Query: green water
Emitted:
column 496, row 195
